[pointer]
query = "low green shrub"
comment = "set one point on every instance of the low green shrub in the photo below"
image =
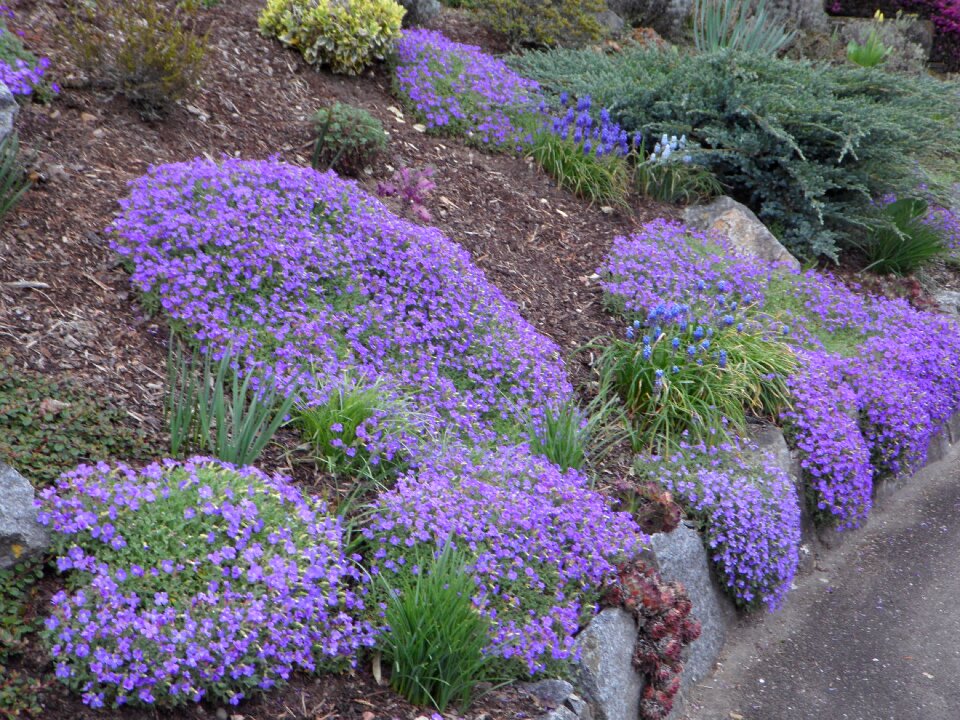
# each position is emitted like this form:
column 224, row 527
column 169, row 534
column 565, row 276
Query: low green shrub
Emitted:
column 806, row 146
column 13, row 181
column 348, row 139
column 50, row 426
column 738, row 25
column 18, row 691
column 345, row 35
column 872, row 51
column 147, row 49
column 210, row 409
column 437, row 637
column 544, row 22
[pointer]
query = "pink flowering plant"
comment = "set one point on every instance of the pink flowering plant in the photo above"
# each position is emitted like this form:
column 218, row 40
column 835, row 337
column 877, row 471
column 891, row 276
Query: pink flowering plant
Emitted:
column 540, row 544
column 194, row 580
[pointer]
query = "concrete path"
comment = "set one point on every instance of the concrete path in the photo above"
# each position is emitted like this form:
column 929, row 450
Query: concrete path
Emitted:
column 872, row 634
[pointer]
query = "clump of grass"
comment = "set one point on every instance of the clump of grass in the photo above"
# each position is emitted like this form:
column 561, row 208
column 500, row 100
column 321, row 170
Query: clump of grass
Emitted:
column 210, row 409
column 436, row 638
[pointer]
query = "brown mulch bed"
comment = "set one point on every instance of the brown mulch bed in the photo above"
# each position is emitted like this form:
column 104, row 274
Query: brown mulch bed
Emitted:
column 67, row 308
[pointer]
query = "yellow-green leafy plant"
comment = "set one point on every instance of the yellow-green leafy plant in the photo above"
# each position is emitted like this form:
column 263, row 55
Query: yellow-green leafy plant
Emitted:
column 545, row 22
column 147, row 49
column 345, row 35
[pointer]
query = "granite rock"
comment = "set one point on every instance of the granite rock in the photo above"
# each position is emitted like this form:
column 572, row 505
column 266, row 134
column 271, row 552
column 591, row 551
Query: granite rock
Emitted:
column 8, row 111
column 21, row 536
column 606, row 676
column 419, row 12
column 736, row 222
column 680, row 556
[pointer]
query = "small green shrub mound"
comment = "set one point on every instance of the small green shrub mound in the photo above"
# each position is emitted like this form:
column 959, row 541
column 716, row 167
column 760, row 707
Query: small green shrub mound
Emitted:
column 194, row 580
column 807, row 146
column 348, row 139
column 18, row 691
column 346, row 35
column 49, row 427
column 544, row 22
column 436, row 638
column 146, row 49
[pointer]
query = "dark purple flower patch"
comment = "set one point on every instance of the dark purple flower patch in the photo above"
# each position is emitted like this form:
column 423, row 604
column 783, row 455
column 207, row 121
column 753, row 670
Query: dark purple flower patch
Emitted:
column 192, row 581
column 308, row 276
column 541, row 543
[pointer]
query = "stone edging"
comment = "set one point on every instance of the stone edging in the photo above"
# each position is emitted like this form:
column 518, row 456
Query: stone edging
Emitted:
column 606, row 677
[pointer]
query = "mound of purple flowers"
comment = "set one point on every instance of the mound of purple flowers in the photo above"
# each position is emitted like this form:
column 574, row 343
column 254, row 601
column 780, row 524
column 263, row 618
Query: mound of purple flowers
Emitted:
column 22, row 72
column 877, row 378
column 193, row 581
column 541, row 543
column 823, row 427
column 457, row 86
column 750, row 515
column 306, row 274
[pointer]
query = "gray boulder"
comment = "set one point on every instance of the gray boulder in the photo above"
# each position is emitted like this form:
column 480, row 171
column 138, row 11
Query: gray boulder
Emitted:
column 21, row 536
column 948, row 300
column 549, row 692
column 606, row 675
column 8, row 111
column 670, row 18
column 803, row 14
column 736, row 222
column 419, row 12
column 680, row 556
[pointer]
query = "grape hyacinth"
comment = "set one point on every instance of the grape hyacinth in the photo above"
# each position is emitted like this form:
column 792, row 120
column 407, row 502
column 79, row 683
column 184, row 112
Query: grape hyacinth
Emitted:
column 194, row 580
column 541, row 543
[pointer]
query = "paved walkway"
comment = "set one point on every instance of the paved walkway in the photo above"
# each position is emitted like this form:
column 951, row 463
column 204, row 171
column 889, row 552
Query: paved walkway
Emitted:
column 872, row 634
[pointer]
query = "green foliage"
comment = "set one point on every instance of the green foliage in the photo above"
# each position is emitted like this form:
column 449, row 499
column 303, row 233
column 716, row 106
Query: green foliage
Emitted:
column 741, row 25
column 18, row 692
column 675, row 181
column 50, row 427
column 436, row 639
column 544, row 22
column 348, row 139
column 904, row 242
column 569, row 436
column 13, row 181
column 345, row 35
column 209, row 409
column 870, row 54
column 145, row 49
column 597, row 179
column 668, row 392
column 336, row 429
column 806, row 146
